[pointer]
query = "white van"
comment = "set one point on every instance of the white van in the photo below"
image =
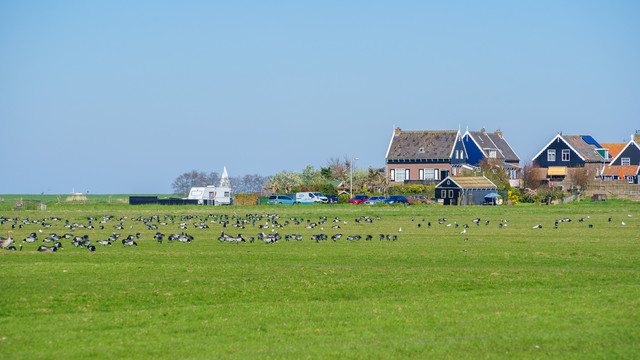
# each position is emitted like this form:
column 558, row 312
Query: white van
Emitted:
column 307, row 198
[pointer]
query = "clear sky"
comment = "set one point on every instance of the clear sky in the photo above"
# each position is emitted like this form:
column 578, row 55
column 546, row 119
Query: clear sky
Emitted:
column 124, row 96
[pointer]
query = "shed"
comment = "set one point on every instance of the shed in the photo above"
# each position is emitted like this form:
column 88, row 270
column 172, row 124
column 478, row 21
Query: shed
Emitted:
column 464, row 190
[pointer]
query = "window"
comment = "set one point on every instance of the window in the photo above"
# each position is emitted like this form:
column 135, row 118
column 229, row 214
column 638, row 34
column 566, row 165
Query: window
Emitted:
column 443, row 194
column 626, row 161
column 451, row 194
column 421, row 174
column 551, row 155
column 429, row 174
column 407, row 177
column 566, row 155
column 400, row 174
column 392, row 175
column 492, row 154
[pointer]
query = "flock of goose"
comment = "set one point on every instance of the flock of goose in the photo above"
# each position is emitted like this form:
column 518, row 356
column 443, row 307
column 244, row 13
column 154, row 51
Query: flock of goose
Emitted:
column 267, row 227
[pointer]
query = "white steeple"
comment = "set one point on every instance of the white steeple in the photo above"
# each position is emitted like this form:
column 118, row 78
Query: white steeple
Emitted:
column 224, row 180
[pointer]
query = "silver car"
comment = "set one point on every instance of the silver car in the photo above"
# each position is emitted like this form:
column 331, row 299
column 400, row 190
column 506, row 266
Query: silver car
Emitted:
column 375, row 200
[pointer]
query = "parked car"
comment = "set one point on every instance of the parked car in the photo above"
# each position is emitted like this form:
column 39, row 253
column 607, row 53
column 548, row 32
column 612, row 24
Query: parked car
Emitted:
column 280, row 200
column 396, row 199
column 358, row 199
column 307, row 198
column 321, row 197
column 332, row 199
column 375, row 200
column 417, row 199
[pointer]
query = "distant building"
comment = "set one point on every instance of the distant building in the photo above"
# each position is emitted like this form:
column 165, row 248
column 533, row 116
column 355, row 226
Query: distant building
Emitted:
column 481, row 145
column 571, row 151
column 424, row 156
column 626, row 161
column 464, row 190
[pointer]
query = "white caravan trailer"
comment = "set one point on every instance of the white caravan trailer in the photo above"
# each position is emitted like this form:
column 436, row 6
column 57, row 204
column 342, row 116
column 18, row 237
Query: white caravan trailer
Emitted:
column 211, row 195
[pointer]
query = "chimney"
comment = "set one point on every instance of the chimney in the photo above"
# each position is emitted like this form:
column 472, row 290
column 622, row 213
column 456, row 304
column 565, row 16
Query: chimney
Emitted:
column 396, row 131
column 637, row 137
column 483, row 131
column 499, row 132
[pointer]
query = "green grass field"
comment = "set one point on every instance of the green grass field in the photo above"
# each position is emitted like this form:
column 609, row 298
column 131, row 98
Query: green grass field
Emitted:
column 510, row 292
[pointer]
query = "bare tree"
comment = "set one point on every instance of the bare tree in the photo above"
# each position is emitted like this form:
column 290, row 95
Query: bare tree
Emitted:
column 340, row 168
column 581, row 176
column 183, row 183
column 213, row 178
column 531, row 176
column 254, row 183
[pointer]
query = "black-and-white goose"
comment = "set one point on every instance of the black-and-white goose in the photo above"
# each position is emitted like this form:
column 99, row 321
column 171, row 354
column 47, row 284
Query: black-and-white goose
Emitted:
column 43, row 248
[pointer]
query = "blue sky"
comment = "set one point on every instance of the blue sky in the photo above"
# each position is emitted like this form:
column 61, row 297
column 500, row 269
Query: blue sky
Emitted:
column 124, row 96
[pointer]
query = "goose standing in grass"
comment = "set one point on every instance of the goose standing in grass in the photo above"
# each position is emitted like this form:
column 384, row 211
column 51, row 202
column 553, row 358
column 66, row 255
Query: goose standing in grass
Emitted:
column 4, row 243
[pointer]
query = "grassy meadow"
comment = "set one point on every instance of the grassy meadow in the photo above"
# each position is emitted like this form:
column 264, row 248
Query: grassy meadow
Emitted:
column 509, row 292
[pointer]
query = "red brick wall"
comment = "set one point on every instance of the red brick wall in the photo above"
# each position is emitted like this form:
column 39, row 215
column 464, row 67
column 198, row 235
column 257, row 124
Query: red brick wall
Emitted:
column 414, row 170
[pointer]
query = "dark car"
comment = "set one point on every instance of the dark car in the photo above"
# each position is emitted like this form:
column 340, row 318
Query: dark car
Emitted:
column 358, row 199
column 332, row 199
column 396, row 199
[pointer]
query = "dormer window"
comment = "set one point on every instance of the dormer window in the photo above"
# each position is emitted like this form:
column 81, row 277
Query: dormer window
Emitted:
column 421, row 150
column 492, row 154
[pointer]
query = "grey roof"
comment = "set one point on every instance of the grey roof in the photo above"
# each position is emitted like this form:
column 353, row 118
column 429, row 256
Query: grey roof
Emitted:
column 505, row 148
column 422, row 145
column 495, row 141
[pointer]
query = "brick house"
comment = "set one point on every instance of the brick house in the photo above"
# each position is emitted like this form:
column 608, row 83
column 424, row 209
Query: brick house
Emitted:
column 425, row 156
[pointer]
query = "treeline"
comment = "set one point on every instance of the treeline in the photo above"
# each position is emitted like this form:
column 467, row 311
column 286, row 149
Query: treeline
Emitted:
column 251, row 183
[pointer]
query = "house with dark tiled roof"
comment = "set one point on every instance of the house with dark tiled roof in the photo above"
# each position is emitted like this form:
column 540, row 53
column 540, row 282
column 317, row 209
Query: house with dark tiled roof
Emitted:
column 482, row 145
column 571, row 151
column 424, row 156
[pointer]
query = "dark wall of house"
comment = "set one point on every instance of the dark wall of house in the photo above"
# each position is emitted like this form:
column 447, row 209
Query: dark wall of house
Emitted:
column 476, row 196
column 448, row 200
column 631, row 152
column 474, row 154
column 459, row 146
column 558, row 145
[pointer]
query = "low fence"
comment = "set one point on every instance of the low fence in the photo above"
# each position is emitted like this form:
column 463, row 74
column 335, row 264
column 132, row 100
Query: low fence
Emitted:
column 143, row 200
column 614, row 188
